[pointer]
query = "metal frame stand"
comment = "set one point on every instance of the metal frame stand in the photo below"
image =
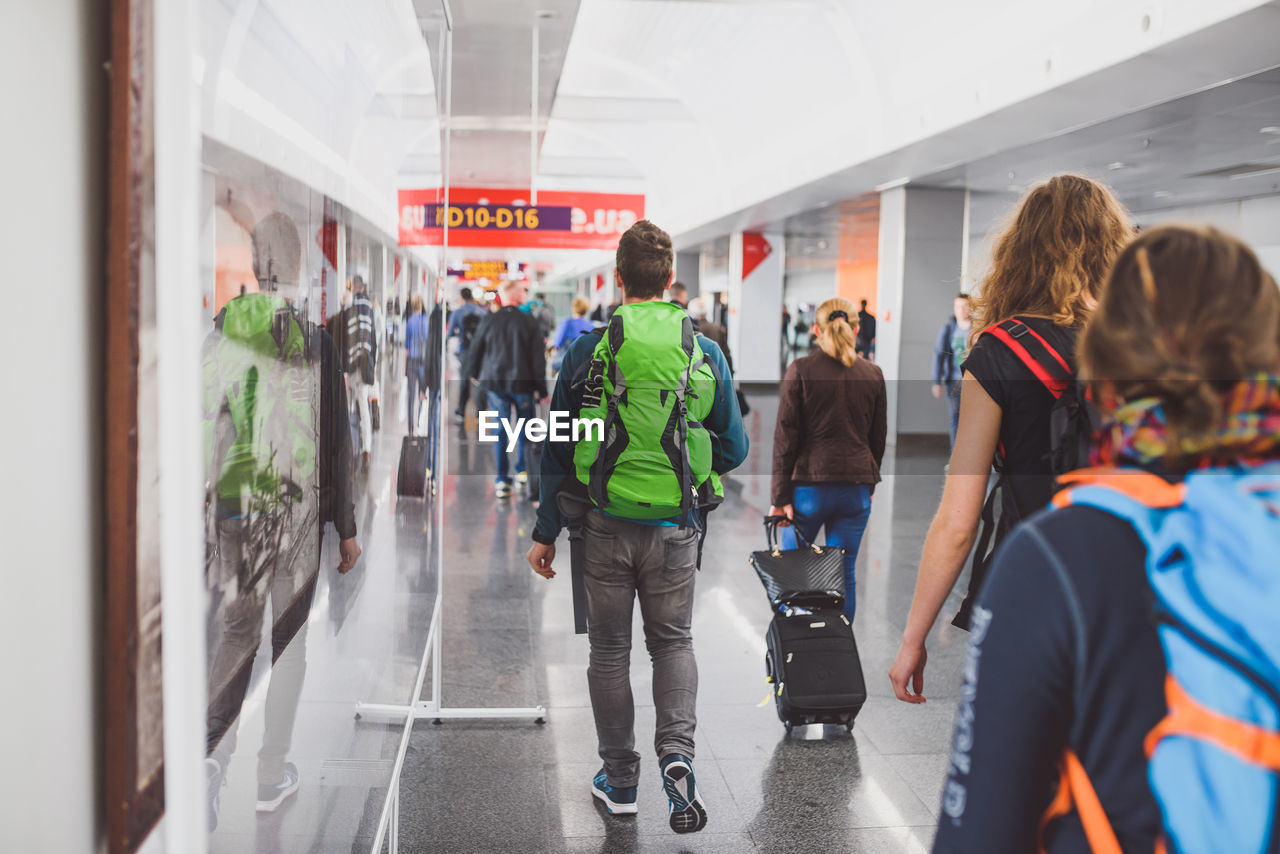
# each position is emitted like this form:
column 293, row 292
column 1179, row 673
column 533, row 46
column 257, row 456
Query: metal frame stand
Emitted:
column 434, row 709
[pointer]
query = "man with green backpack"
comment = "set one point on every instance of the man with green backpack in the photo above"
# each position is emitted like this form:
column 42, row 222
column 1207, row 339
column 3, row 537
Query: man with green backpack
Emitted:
column 635, row 497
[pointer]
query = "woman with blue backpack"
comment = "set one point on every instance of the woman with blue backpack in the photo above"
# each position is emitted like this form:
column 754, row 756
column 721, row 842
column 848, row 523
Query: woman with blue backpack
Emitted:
column 1122, row 681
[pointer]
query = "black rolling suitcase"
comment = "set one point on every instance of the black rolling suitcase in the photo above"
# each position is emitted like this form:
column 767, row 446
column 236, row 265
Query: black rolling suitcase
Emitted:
column 812, row 659
column 812, row 662
column 411, row 477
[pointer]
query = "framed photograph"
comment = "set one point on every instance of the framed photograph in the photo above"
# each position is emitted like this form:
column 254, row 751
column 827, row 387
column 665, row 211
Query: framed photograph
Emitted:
column 132, row 698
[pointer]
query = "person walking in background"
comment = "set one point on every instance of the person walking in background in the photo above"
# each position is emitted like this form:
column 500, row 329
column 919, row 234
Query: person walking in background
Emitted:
column 570, row 329
column 949, row 354
column 353, row 332
column 541, row 312
column 704, row 326
column 416, row 337
column 395, row 321
column 866, row 332
column 829, row 440
column 678, row 293
column 720, row 335
column 509, row 362
column 1047, row 272
column 643, row 512
column 1106, row 605
column 786, row 336
column 463, row 323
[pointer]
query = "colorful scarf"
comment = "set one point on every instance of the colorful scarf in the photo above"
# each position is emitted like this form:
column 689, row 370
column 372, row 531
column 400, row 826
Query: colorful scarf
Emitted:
column 1248, row 431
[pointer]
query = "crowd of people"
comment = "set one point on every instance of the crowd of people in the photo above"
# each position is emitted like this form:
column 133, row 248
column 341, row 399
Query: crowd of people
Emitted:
column 1123, row 673
column 1122, row 389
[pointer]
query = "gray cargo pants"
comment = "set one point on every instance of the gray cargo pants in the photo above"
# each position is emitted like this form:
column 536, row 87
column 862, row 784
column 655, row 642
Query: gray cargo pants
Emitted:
column 625, row 561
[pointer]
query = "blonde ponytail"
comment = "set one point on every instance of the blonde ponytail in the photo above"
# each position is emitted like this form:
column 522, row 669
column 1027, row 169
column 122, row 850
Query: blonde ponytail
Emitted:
column 839, row 338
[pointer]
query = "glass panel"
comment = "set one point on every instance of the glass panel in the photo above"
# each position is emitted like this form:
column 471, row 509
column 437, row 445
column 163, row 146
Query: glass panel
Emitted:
column 320, row 580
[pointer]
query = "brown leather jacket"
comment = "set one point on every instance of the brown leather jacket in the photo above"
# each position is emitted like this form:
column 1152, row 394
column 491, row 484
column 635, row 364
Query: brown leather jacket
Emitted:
column 831, row 425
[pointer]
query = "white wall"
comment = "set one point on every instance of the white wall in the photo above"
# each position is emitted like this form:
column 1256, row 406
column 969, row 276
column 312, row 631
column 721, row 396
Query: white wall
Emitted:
column 815, row 286
column 921, row 240
column 1255, row 221
column 755, row 311
column 688, row 270
column 52, row 229
column 892, row 250
column 931, row 278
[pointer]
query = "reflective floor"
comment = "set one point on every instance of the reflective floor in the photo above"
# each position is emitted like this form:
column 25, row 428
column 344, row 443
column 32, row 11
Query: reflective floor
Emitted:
column 517, row 787
column 509, row 642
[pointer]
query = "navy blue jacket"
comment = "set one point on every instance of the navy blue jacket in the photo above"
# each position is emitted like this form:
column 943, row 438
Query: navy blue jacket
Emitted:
column 1063, row 653
column 944, row 360
column 723, row 422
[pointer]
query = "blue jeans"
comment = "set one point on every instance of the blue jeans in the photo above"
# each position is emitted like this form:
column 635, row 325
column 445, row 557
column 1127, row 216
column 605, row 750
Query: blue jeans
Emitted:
column 842, row 509
column 416, row 371
column 503, row 402
column 953, row 401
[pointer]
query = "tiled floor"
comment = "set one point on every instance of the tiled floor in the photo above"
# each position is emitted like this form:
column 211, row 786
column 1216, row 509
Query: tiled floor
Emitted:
column 516, row 787
column 520, row 788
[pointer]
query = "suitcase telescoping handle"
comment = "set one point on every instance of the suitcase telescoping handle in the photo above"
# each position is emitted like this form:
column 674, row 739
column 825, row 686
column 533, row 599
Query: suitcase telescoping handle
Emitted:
column 771, row 525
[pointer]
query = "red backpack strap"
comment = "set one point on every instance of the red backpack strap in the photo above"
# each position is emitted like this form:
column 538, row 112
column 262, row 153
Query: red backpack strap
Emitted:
column 1142, row 486
column 1046, row 363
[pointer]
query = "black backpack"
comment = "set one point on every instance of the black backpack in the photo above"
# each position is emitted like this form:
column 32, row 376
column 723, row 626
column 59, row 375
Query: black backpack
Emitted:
column 470, row 323
column 1073, row 421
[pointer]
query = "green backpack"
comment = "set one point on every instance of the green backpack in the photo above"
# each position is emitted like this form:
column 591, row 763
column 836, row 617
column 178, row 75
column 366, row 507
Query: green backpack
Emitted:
column 261, row 406
column 651, row 385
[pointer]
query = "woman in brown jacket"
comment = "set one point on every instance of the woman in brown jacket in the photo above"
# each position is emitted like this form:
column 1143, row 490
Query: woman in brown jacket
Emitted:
column 829, row 440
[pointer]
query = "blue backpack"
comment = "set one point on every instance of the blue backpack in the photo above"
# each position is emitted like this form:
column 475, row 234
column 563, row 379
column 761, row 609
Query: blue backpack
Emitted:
column 1213, row 563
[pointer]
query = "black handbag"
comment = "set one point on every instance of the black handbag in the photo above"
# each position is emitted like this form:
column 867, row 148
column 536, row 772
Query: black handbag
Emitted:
column 811, row 576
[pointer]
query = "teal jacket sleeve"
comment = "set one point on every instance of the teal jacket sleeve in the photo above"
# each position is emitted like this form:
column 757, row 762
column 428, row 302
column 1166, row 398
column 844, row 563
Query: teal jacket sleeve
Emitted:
column 729, row 444
column 557, row 457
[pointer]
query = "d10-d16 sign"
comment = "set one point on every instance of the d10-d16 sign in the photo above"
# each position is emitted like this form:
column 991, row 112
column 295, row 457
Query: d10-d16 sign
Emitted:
column 490, row 217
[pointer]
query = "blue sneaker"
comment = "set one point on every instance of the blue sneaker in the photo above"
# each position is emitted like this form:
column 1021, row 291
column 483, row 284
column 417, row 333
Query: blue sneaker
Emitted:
column 688, row 815
column 618, row 800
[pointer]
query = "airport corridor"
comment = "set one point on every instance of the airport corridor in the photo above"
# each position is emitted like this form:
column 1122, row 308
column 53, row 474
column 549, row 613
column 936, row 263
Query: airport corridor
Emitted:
column 472, row 787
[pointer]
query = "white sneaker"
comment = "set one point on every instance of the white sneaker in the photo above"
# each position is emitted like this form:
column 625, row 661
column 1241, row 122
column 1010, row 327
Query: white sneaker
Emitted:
column 501, row 489
column 270, row 797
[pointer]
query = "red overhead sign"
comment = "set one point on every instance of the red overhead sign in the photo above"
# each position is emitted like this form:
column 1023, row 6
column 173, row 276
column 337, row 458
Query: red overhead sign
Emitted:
column 485, row 217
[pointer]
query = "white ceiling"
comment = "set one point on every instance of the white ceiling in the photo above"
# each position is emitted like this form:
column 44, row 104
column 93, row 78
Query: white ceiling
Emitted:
column 492, row 77
column 1181, row 153
column 1218, row 144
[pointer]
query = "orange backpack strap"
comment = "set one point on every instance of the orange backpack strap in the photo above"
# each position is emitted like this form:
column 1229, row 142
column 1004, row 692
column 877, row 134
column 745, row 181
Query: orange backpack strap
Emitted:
column 1188, row 717
column 1142, row 486
column 1075, row 789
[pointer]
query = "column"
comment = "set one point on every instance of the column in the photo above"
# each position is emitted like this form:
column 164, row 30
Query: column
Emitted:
column 688, row 264
column 921, row 246
column 755, row 305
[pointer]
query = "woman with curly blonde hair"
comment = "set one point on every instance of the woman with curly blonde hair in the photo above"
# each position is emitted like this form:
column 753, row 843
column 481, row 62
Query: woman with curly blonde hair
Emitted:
column 1047, row 273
